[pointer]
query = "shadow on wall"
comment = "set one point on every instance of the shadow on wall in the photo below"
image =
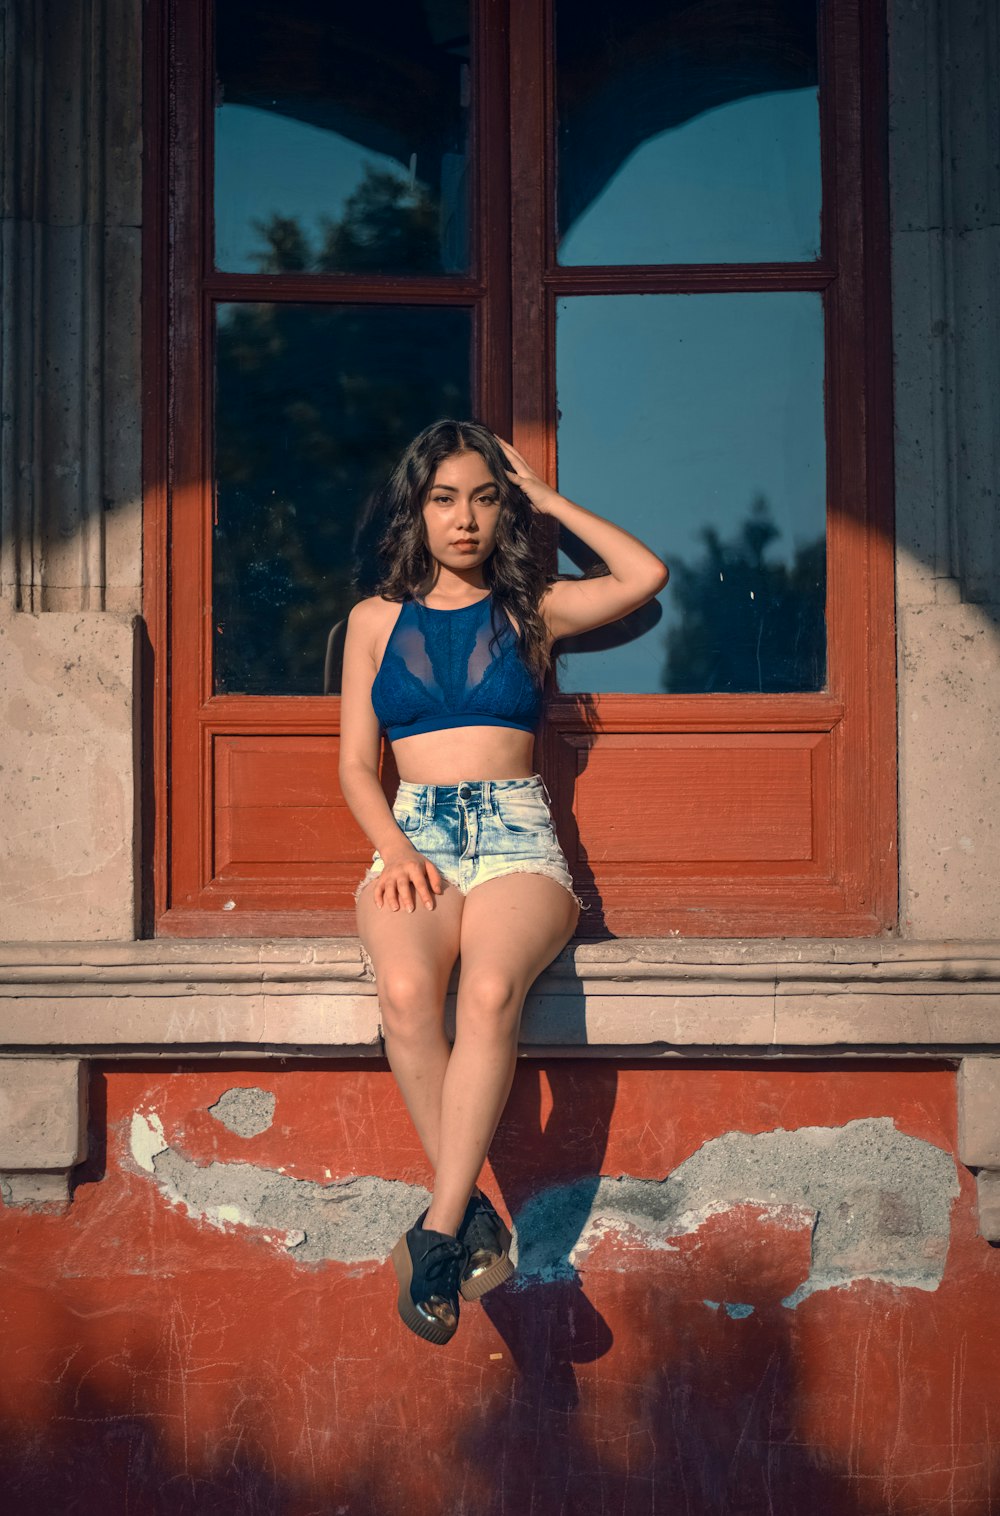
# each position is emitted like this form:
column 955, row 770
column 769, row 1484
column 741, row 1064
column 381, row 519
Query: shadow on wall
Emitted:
column 157, row 1364
column 709, row 1432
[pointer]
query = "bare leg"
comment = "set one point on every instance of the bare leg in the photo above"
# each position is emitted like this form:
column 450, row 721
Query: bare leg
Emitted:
column 511, row 929
column 413, row 954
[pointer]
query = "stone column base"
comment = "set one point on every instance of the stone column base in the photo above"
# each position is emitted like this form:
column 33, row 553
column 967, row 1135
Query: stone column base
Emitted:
column 43, row 1128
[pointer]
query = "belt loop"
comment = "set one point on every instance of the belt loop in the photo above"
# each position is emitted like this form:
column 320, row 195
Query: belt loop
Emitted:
column 545, row 789
column 490, row 797
column 430, row 794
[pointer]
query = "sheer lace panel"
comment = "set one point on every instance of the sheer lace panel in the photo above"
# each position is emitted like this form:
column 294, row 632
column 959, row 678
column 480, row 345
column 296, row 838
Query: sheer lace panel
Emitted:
column 453, row 668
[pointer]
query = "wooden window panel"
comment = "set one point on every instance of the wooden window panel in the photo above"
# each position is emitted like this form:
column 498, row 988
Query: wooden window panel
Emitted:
column 767, row 814
column 847, row 886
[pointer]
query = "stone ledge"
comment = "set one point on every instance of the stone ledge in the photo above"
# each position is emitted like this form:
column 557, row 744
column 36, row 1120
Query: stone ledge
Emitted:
column 627, row 997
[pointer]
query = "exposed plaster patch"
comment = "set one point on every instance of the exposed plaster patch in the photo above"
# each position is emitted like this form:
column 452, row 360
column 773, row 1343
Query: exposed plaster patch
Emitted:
column 877, row 1200
column 245, row 1112
column 146, row 1139
column 351, row 1221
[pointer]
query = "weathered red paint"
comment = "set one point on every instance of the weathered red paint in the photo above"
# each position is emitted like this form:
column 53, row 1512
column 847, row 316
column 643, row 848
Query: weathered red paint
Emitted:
column 156, row 1364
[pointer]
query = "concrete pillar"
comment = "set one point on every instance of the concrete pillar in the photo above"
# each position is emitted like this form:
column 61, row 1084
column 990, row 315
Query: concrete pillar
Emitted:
column 70, row 455
column 944, row 120
column 71, row 268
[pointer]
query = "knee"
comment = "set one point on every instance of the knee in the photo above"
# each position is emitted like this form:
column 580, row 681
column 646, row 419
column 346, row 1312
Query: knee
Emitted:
column 411, row 1003
column 492, row 998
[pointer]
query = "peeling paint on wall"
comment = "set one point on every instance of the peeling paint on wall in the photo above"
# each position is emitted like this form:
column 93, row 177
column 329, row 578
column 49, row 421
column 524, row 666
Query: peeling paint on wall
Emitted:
column 157, row 1355
column 351, row 1220
column 245, row 1111
column 876, row 1200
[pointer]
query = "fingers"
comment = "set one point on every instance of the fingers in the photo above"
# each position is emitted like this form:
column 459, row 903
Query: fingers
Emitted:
column 508, row 448
column 404, row 883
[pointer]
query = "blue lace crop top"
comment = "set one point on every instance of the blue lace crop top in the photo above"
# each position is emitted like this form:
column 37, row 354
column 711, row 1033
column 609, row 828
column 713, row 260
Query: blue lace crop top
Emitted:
column 440, row 670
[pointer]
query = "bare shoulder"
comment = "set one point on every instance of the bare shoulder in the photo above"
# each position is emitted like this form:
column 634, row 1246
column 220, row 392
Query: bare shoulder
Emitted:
column 370, row 621
column 372, row 613
column 366, row 611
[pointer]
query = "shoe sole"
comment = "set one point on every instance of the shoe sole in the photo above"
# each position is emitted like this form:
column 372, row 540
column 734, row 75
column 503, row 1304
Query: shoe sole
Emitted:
column 430, row 1331
column 480, row 1284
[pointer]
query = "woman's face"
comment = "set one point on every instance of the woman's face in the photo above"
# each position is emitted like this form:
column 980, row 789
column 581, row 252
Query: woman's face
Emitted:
column 461, row 510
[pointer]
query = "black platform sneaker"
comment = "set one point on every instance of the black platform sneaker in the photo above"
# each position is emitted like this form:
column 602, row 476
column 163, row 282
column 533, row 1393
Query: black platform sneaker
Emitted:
column 488, row 1240
column 429, row 1266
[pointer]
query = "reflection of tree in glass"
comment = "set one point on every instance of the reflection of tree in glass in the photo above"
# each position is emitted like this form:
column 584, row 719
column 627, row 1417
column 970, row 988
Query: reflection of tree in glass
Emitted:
column 314, row 405
column 387, row 227
column 748, row 624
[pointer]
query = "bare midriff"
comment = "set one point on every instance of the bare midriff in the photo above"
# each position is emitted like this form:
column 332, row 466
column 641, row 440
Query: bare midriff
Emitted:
column 465, row 752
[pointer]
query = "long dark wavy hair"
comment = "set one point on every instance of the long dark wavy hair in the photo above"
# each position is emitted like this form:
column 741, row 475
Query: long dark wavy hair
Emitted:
column 392, row 539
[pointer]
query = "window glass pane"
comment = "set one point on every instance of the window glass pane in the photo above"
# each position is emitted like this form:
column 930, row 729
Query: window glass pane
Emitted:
column 696, row 421
column 341, row 136
column 688, row 131
column 314, row 403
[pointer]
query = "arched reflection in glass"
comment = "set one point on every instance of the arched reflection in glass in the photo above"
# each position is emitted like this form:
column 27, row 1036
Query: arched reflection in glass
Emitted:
column 314, row 404
column 341, row 137
column 687, row 132
column 696, row 421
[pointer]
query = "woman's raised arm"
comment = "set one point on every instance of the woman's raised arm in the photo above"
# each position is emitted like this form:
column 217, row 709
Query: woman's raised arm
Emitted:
column 570, row 606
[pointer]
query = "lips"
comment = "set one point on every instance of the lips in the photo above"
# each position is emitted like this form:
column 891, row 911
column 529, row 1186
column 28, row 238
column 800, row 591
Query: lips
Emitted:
column 467, row 545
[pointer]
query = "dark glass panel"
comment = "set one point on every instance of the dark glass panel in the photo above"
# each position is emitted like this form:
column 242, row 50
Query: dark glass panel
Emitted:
column 696, row 421
column 688, row 131
column 314, row 404
column 341, row 136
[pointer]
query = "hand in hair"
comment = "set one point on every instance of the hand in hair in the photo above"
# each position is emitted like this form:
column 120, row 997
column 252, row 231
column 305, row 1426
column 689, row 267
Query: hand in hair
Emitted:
column 537, row 491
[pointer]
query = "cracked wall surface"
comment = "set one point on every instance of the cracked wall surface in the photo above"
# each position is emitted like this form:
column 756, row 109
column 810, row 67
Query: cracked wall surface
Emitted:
column 875, row 1201
column 215, row 1316
column 245, row 1111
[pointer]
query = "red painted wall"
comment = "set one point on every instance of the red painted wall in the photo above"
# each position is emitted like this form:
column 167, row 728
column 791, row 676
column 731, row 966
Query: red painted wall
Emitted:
column 155, row 1363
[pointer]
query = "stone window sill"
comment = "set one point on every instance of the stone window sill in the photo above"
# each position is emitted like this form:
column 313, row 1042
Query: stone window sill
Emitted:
column 627, row 997
column 62, row 1003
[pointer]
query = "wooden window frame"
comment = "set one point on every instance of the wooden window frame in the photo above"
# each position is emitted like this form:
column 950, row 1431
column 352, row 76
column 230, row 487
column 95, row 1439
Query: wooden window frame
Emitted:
column 842, row 739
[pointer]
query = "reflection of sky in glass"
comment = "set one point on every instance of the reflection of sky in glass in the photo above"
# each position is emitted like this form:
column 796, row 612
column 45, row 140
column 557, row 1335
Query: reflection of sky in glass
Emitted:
column 675, row 411
column 268, row 164
column 740, row 183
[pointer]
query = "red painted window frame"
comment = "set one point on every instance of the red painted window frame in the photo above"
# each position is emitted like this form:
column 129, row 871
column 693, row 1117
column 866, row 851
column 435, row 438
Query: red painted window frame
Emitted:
column 514, row 290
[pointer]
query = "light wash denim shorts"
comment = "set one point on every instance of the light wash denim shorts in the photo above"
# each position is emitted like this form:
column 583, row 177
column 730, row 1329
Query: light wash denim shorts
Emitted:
column 477, row 830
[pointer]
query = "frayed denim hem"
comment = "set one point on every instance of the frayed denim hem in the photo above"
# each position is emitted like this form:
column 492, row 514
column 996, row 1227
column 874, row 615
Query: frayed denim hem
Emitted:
column 553, row 872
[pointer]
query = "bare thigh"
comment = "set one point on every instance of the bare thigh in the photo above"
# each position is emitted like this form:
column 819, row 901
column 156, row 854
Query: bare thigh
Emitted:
column 419, row 945
column 513, row 927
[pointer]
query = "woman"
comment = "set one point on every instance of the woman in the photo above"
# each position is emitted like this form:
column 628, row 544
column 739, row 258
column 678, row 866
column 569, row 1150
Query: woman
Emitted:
column 449, row 659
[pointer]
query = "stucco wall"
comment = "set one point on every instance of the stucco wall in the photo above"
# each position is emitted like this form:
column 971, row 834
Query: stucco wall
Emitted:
column 773, row 1301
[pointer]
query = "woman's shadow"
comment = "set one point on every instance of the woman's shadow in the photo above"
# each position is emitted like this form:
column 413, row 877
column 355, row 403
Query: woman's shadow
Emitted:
column 547, row 1170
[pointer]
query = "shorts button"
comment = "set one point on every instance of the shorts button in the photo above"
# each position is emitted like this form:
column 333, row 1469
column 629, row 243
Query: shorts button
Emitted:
column 464, row 792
